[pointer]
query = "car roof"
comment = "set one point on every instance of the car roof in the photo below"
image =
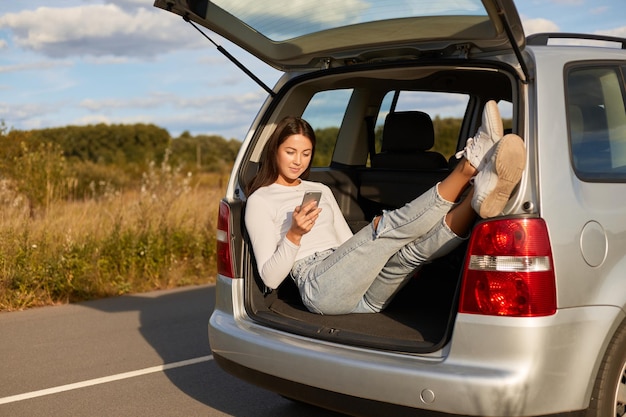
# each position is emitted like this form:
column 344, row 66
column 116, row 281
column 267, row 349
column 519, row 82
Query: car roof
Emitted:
column 292, row 35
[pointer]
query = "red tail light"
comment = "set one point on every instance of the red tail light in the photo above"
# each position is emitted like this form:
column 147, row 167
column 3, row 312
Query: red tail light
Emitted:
column 509, row 270
column 224, row 252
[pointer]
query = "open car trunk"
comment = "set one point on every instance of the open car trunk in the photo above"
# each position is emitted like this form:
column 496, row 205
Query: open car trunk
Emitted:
column 418, row 320
column 421, row 316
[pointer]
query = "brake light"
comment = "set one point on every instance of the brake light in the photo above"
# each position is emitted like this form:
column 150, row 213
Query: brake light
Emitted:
column 224, row 251
column 509, row 270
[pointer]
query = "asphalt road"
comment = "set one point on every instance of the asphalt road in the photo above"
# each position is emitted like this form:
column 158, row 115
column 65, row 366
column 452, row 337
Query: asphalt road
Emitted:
column 137, row 355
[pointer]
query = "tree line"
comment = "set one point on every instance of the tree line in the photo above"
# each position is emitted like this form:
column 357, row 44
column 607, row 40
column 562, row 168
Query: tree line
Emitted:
column 123, row 145
column 77, row 162
column 446, row 138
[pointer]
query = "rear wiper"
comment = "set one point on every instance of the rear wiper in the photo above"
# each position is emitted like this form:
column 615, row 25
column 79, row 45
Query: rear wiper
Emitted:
column 232, row 58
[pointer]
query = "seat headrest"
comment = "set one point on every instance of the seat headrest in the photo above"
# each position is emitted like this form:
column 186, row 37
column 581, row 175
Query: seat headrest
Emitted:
column 576, row 124
column 408, row 131
column 584, row 90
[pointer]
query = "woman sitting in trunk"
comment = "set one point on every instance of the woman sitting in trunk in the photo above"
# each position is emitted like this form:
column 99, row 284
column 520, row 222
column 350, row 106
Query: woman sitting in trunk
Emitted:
column 337, row 272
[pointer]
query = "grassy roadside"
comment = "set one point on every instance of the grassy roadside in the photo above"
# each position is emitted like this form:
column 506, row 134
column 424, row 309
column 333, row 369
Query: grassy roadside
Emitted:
column 159, row 236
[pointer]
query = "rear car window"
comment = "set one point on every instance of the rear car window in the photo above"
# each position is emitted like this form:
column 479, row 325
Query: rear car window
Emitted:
column 285, row 19
column 446, row 111
column 597, row 122
column 324, row 112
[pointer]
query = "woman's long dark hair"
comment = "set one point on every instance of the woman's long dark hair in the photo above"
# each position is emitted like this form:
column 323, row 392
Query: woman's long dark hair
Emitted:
column 268, row 172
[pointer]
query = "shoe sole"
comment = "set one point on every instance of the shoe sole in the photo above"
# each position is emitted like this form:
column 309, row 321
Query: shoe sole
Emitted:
column 510, row 161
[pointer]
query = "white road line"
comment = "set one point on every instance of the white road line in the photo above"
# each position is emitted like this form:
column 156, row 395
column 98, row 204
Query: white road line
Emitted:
column 103, row 380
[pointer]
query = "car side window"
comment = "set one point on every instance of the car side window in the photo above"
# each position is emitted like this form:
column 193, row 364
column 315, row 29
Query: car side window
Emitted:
column 596, row 114
column 324, row 112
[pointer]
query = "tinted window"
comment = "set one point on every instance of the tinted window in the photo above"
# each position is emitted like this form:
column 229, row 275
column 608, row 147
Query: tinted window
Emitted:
column 285, row 19
column 597, row 123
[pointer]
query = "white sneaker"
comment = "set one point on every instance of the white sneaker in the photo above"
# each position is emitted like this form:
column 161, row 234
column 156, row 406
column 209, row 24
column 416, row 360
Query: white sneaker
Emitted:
column 489, row 133
column 502, row 172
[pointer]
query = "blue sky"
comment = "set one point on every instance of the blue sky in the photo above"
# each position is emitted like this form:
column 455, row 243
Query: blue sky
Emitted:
column 76, row 62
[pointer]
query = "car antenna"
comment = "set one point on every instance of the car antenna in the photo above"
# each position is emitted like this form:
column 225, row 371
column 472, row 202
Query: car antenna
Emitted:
column 232, row 58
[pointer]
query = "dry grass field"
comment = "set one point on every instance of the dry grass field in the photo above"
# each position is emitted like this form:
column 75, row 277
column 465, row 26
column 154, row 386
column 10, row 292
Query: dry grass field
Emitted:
column 159, row 236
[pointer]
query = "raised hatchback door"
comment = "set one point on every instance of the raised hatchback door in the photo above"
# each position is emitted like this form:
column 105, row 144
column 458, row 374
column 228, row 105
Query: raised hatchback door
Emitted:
column 321, row 33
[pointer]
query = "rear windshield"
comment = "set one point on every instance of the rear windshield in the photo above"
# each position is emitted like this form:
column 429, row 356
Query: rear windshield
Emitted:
column 280, row 20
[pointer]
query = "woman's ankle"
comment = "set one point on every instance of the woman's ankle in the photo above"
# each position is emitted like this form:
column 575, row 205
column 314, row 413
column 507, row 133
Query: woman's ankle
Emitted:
column 467, row 169
column 376, row 221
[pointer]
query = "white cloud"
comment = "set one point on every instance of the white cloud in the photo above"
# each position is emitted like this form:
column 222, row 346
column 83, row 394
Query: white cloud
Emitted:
column 619, row 32
column 226, row 115
column 33, row 66
column 116, row 104
column 538, row 26
column 27, row 116
column 99, row 30
column 131, row 4
column 569, row 2
column 154, row 100
column 92, row 119
column 106, row 60
column 313, row 12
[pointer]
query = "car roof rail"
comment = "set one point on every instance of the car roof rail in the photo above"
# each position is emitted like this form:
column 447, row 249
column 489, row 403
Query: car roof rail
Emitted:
column 541, row 39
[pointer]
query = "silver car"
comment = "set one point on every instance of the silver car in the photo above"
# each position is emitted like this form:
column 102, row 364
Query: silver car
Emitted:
column 525, row 319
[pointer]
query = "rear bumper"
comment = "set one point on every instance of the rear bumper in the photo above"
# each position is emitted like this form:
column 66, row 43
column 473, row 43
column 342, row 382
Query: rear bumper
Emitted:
column 493, row 366
column 334, row 401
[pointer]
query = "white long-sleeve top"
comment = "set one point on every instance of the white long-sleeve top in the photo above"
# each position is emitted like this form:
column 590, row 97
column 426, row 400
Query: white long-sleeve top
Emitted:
column 268, row 218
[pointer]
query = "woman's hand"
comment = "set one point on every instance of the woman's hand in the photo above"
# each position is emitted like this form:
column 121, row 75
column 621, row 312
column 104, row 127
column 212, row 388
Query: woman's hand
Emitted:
column 302, row 221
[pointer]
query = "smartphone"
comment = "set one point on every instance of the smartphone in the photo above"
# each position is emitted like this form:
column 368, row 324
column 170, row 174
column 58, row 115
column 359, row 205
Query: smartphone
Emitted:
column 311, row 196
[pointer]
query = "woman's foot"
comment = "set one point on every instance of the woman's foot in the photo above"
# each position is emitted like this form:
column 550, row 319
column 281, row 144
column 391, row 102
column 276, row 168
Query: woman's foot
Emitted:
column 494, row 184
column 488, row 134
column 474, row 155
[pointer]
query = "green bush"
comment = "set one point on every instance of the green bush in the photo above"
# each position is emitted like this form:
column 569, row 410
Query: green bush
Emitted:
column 40, row 173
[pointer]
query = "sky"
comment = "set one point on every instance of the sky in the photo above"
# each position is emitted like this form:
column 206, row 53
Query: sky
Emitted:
column 79, row 62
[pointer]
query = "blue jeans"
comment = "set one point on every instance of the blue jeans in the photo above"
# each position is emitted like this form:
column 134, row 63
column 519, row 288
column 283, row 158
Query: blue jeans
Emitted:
column 365, row 272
